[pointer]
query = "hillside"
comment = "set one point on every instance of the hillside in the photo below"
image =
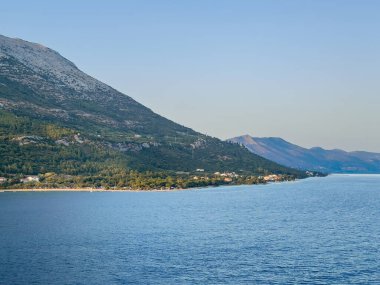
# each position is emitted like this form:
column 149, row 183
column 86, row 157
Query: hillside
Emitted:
column 55, row 118
column 317, row 159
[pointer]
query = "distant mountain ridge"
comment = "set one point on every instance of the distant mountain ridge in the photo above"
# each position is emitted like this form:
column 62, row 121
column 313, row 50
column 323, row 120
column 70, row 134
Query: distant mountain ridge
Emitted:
column 316, row 158
column 54, row 117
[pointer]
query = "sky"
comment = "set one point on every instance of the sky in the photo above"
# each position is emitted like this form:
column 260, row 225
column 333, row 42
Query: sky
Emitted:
column 307, row 71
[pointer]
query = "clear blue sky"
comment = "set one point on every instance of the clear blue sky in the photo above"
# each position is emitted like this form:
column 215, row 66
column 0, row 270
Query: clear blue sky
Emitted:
column 307, row 71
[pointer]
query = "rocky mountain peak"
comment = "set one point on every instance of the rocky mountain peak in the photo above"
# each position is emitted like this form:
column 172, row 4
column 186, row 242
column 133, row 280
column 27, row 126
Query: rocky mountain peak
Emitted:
column 48, row 63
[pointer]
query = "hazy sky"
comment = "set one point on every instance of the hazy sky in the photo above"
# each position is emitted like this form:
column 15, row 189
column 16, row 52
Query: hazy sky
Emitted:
column 307, row 71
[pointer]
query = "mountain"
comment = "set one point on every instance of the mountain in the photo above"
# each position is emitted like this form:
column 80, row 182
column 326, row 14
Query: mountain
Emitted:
column 316, row 158
column 55, row 118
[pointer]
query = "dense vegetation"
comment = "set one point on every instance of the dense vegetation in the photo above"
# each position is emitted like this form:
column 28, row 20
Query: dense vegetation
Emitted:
column 132, row 180
column 30, row 146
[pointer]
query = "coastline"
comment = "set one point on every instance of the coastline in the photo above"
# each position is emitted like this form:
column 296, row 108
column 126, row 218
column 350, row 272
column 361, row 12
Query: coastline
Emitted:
column 88, row 190
column 134, row 190
column 169, row 190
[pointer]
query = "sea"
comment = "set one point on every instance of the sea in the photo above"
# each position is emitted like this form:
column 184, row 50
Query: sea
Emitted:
column 311, row 231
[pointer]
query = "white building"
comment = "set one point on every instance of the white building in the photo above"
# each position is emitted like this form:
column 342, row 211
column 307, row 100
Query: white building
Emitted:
column 32, row 178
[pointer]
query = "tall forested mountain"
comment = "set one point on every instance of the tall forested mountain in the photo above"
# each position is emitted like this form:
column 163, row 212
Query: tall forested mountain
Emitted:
column 54, row 117
column 316, row 158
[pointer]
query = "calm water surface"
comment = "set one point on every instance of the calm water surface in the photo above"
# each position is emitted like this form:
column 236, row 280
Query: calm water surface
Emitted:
column 315, row 231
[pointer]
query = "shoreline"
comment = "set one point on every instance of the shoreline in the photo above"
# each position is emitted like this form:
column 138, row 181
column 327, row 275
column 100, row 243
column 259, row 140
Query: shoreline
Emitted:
column 133, row 190
column 104, row 190
column 164, row 190
column 87, row 190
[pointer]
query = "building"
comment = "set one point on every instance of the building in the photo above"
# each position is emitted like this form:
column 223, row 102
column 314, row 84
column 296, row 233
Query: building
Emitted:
column 272, row 178
column 31, row 178
column 3, row 179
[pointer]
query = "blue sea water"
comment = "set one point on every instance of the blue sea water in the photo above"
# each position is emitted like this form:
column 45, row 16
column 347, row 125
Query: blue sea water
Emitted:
column 314, row 231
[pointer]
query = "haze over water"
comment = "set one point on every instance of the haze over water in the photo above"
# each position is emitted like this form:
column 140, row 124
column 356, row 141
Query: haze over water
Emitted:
column 320, row 230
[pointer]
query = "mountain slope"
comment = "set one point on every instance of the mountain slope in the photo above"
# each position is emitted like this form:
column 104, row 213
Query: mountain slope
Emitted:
column 318, row 159
column 56, row 118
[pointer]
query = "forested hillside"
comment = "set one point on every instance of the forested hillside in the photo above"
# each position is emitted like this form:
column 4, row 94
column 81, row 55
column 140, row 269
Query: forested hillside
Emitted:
column 55, row 118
